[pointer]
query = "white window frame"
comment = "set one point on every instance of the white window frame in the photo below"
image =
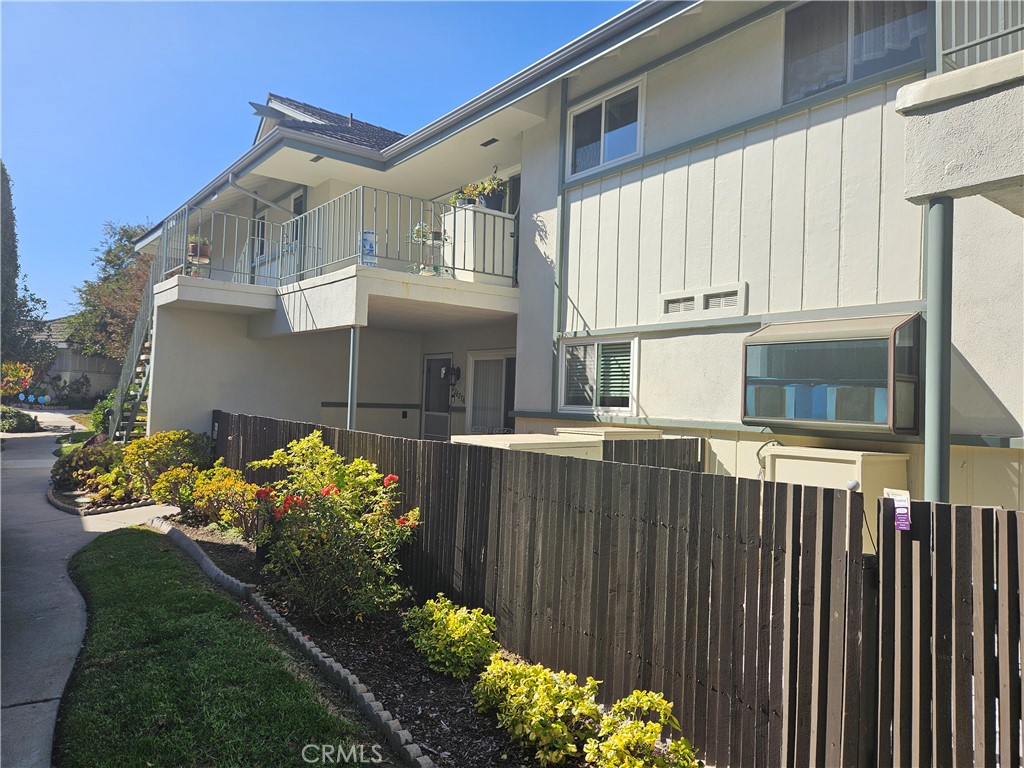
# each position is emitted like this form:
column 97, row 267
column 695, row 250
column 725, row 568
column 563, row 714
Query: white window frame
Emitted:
column 634, row 360
column 471, row 358
column 640, row 84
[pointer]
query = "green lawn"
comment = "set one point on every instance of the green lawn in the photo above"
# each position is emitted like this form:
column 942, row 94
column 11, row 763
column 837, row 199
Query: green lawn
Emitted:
column 71, row 441
column 173, row 674
column 84, row 419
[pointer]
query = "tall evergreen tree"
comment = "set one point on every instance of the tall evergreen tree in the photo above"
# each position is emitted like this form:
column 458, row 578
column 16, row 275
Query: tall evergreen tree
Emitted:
column 21, row 311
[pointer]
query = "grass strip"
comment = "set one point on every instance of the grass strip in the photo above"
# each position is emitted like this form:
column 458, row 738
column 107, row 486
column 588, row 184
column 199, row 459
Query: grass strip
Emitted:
column 72, row 441
column 171, row 673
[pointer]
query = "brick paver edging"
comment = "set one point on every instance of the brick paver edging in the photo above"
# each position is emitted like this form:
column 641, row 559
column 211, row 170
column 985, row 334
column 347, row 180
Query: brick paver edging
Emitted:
column 391, row 729
column 73, row 509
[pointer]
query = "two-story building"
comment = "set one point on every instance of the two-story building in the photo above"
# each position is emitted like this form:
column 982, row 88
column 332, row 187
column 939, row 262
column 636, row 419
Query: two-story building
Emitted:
column 790, row 228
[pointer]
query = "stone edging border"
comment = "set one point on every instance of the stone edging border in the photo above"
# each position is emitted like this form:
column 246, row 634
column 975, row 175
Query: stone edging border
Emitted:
column 71, row 509
column 391, row 729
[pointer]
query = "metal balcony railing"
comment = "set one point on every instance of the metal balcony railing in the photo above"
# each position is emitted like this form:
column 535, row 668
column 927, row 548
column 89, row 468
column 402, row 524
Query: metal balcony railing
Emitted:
column 972, row 31
column 366, row 226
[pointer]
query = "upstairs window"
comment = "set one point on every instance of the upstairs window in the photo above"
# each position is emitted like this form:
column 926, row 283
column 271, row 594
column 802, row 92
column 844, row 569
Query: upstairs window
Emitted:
column 603, row 132
column 829, row 43
column 598, row 376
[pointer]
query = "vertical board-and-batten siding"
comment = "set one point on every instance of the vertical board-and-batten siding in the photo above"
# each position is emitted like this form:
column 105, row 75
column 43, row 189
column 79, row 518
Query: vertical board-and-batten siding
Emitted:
column 807, row 209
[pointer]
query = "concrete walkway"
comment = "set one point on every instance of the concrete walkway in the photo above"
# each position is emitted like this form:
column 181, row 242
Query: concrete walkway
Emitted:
column 42, row 615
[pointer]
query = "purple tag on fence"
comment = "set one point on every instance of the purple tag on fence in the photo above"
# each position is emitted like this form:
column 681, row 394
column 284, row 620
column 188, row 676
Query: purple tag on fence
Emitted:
column 901, row 501
column 902, row 517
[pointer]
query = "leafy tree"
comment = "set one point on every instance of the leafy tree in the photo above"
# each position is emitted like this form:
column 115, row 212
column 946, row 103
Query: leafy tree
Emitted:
column 109, row 304
column 21, row 311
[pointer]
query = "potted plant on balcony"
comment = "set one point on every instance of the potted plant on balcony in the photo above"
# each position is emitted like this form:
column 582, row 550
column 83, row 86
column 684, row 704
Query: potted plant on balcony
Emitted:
column 466, row 196
column 492, row 192
column 198, row 249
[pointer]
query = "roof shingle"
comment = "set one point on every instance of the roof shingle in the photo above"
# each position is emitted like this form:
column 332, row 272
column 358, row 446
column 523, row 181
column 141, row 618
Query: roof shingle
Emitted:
column 337, row 126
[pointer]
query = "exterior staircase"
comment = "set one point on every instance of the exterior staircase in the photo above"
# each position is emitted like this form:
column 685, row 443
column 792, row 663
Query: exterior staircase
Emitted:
column 133, row 407
column 130, row 417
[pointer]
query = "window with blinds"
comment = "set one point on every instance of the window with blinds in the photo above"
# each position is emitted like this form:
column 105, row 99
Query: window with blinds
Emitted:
column 598, row 375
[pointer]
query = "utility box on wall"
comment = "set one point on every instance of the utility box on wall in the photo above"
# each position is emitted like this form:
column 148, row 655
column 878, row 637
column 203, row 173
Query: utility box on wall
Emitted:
column 830, row 468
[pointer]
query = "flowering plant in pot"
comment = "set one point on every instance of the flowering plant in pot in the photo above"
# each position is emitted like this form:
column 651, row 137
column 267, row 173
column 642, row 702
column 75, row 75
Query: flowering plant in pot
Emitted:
column 492, row 192
column 198, row 249
column 466, row 196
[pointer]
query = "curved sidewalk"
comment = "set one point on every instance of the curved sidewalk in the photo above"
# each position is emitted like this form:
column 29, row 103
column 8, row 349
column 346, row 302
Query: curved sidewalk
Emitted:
column 42, row 615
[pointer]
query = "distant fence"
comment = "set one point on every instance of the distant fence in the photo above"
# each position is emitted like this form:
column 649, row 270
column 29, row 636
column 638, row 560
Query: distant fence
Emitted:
column 748, row 603
column 673, row 453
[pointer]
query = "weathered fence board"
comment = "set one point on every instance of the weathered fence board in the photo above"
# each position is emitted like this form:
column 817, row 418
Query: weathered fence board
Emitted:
column 750, row 604
column 674, row 453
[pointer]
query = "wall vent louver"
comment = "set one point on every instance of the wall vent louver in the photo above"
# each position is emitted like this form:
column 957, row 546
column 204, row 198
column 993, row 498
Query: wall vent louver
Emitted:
column 704, row 304
column 721, row 300
column 681, row 304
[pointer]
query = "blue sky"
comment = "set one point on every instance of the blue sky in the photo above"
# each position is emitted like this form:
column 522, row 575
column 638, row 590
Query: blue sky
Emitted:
column 120, row 111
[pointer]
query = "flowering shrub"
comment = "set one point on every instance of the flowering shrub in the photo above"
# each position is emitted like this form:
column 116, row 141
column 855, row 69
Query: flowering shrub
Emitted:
column 334, row 536
column 14, row 378
column 629, row 734
column 455, row 640
column 77, row 468
column 544, row 709
column 149, row 457
column 223, row 496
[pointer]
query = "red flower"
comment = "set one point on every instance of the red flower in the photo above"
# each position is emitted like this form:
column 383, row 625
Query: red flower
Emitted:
column 402, row 521
column 328, row 490
column 278, row 512
column 390, row 479
column 264, row 493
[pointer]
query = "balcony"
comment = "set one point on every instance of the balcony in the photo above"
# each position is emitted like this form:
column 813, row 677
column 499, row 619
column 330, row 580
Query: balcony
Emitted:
column 970, row 32
column 365, row 227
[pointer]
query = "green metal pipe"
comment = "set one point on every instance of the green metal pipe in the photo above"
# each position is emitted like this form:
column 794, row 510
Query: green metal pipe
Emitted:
column 353, row 376
column 938, row 346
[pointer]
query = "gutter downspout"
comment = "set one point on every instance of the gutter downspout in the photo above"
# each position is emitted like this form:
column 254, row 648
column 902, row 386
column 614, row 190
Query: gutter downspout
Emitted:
column 353, row 377
column 270, row 203
column 938, row 346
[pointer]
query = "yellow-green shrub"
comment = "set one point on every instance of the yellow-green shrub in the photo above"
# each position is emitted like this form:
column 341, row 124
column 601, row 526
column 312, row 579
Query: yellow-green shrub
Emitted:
column 629, row 734
column 547, row 710
column 456, row 640
column 223, row 496
column 113, row 487
column 149, row 457
column 176, row 486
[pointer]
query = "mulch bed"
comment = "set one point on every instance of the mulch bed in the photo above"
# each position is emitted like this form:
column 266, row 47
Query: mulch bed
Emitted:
column 235, row 557
column 438, row 710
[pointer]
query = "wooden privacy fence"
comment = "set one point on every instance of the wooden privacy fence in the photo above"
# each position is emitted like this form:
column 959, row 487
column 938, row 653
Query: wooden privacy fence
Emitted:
column 671, row 453
column 748, row 603
column 950, row 646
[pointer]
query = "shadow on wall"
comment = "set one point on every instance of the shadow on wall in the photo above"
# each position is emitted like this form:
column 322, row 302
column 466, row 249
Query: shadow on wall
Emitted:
column 974, row 408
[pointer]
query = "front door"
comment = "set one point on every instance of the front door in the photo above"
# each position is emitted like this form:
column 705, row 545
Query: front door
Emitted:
column 436, row 398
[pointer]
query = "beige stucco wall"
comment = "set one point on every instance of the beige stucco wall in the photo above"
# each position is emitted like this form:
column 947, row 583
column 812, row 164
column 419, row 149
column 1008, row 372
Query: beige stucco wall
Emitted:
column 538, row 249
column 964, row 130
column 988, row 320
column 206, row 360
